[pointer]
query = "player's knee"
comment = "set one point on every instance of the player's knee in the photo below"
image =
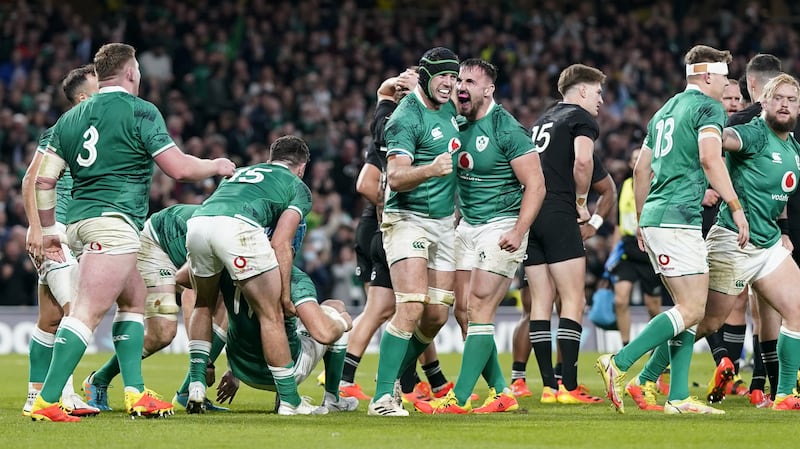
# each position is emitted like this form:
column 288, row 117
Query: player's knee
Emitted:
column 441, row 296
column 161, row 305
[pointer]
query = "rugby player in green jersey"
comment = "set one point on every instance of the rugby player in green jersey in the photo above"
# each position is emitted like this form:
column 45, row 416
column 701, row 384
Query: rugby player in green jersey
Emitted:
column 681, row 154
column 500, row 191
column 110, row 143
column 227, row 233
column 57, row 281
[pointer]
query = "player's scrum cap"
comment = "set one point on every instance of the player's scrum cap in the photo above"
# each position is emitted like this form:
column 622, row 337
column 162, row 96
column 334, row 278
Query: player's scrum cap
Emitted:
column 698, row 68
column 436, row 61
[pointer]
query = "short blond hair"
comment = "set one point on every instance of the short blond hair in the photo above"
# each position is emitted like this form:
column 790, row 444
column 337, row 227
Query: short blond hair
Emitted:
column 111, row 59
column 775, row 83
column 704, row 53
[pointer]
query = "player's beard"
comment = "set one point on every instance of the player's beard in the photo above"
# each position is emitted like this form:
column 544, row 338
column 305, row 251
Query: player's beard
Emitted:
column 781, row 127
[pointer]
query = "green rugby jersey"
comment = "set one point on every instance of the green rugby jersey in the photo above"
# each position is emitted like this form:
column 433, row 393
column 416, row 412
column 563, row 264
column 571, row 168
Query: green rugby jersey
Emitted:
column 764, row 173
column 488, row 189
column 258, row 194
column 677, row 189
column 420, row 133
column 244, row 350
column 109, row 142
column 169, row 229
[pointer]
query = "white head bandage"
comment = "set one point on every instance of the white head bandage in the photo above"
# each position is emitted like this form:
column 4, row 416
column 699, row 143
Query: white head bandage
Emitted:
column 720, row 68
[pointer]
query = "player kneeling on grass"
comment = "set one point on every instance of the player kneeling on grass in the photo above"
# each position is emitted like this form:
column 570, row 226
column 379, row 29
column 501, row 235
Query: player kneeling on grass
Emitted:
column 317, row 332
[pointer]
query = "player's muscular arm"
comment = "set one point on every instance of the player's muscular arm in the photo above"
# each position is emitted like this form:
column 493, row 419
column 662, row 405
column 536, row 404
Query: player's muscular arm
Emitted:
column 582, row 173
column 325, row 327
column 281, row 243
column 642, row 174
column 528, row 170
column 34, row 238
column 710, row 144
column 605, row 205
column 368, row 183
column 730, row 140
column 50, row 169
column 403, row 177
column 187, row 168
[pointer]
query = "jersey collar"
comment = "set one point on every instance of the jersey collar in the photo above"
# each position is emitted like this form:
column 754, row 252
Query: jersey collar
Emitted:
column 690, row 86
column 107, row 89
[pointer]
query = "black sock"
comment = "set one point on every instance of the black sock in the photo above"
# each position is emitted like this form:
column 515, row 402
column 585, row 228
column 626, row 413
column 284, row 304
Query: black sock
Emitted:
column 409, row 379
column 569, row 340
column 542, row 343
column 350, row 365
column 434, row 374
column 733, row 339
column 769, row 352
column 557, row 371
column 718, row 348
column 518, row 370
column 759, row 372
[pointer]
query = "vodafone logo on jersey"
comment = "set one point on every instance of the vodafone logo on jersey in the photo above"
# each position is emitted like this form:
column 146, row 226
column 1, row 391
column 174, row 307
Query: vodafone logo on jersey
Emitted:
column 789, row 182
column 454, row 145
column 465, row 161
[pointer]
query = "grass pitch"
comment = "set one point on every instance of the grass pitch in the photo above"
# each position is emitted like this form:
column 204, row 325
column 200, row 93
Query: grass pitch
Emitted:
column 251, row 422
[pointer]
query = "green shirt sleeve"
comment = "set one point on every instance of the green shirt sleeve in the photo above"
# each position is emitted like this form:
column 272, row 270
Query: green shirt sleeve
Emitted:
column 152, row 128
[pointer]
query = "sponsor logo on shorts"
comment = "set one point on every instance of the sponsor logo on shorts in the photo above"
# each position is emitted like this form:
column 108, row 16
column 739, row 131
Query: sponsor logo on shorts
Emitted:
column 663, row 260
column 788, row 182
column 418, row 244
column 165, row 273
column 95, row 246
column 482, row 255
column 739, row 283
column 239, row 262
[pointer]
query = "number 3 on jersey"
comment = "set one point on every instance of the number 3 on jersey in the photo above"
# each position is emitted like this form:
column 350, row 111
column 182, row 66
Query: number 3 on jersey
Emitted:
column 91, row 137
column 540, row 135
column 664, row 130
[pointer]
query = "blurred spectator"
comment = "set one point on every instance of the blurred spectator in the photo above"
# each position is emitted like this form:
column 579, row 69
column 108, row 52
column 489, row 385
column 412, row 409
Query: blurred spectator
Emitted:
column 18, row 276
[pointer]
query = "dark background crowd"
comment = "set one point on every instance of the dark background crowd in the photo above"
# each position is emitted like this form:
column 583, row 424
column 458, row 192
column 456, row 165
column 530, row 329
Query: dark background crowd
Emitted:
column 231, row 76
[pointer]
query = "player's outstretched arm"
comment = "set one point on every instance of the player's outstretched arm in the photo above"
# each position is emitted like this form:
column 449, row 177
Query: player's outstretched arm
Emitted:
column 187, row 168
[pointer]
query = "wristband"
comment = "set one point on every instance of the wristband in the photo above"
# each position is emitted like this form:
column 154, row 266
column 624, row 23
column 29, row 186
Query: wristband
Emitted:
column 783, row 225
column 596, row 221
column 734, row 205
column 339, row 319
column 50, row 230
column 580, row 200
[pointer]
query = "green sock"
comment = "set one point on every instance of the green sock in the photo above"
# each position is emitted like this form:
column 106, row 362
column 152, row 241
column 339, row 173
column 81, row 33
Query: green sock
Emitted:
column 199, row 351
column 493, row 373
column 656, row 365
column 41, row 351
column 107, row 372
column 71, row 340
column 660, row 329
column 680, row 357
column 788, row 360
column 218, row 341
column 334, row 364
column 417, row 344
column 477, row 349
column 127, row 331
column 394, row 345
column 285, row 384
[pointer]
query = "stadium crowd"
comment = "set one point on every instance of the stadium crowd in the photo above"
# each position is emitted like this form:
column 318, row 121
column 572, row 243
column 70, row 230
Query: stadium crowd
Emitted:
column 231, row 76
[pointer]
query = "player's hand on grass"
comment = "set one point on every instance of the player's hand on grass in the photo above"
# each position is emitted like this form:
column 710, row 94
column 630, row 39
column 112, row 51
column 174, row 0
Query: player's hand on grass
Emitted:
column 227, row 388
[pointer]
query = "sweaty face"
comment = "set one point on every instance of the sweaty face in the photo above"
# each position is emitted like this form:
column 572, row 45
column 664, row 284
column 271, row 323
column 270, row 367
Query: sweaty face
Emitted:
column 782, row 108
column 732, row 98
column 473, row 89
column 442, row 87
